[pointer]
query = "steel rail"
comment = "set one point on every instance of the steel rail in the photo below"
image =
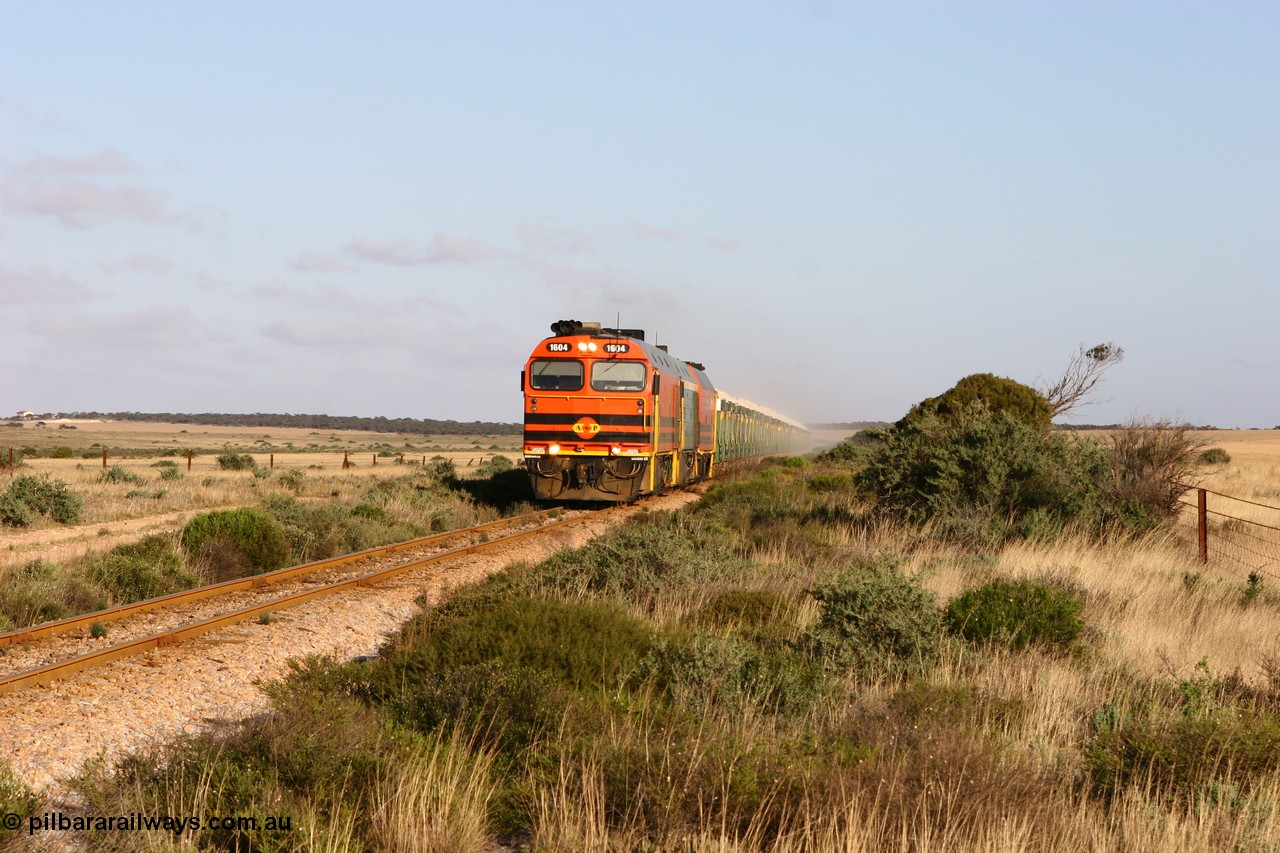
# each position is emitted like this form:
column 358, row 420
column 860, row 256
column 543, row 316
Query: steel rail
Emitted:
column 61, row 669
column 61, row 626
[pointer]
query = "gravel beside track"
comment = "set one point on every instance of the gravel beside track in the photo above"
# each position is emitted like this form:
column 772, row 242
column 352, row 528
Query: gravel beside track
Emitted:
column 49, row 731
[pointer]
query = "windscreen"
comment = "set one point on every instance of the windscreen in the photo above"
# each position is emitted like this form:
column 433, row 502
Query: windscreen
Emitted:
column 618, row 375
column 556, row 374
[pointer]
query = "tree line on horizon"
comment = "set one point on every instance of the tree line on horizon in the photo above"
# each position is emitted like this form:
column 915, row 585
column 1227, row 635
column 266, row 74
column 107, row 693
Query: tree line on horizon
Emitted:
column 319, row 422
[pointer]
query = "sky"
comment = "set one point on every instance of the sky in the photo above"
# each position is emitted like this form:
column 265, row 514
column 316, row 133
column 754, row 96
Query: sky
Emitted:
column 378, row 208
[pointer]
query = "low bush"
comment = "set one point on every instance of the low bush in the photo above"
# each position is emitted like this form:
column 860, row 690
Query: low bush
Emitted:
column 1215, row 456
column 292, row 479
column 875, row 620
column 63, row 452
column 1182, row 754
column 728, row 673
column 581, row 644
column 236, row 541
column 29, row 496
column 643, row 559
column 236, row 462
column 1017, row 614
column 1152, row 463
column 116, row 474
column 144, row 569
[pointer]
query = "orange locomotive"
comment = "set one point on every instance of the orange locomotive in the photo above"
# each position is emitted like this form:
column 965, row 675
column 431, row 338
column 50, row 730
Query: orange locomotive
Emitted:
column 610, row 417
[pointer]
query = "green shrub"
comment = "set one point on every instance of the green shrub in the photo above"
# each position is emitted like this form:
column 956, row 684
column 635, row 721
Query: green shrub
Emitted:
column 369, row 511
column 854, row 449
column 292, row 479
column 579, row 643
column 711, row 670
column 1215, row 456
column 994, row 394
column 236, row 462
column 1181, row 754
column 236, row 540
column 875, row 619
column 39, row 495
column 14, row 512
column 641, row 560
column 983, row 479
column 1018, row 613
column 62, row 453
column 170, row 473
column 144, row 569
column 831, row 483
column 116, row 474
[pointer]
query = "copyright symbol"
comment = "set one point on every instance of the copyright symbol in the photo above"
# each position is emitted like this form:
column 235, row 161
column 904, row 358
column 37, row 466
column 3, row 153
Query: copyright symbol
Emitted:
column 12, row 821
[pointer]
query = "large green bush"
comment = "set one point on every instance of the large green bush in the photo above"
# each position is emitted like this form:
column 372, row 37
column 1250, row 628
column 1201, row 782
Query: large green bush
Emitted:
column 876, row 620
column 984, row 478
column 236, row 541
column 1018, row 613
column 996, row 394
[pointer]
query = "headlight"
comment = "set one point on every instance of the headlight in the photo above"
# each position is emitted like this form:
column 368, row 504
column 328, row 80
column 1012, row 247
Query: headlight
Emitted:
column 553, row 449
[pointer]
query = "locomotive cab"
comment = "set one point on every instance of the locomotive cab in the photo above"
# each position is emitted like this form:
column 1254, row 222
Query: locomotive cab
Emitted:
column 588, row 414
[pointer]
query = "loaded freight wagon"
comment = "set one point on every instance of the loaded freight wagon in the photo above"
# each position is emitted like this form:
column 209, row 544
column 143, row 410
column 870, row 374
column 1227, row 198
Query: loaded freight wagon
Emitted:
column 610, row 417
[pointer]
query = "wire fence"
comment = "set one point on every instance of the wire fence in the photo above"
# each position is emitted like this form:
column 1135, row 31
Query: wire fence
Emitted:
column 1225, row 536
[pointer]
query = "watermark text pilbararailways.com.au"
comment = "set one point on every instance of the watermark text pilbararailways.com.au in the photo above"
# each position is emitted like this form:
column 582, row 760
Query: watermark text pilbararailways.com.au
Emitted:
column 137, row 822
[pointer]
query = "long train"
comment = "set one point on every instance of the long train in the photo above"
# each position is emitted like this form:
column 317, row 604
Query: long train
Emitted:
column 610, row 417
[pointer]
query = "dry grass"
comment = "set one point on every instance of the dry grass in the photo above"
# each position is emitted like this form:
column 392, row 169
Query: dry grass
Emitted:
column 118, row 512
column 437, row 801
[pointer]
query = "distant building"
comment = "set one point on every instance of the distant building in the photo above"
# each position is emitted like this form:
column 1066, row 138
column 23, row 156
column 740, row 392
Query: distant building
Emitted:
column 26, row 416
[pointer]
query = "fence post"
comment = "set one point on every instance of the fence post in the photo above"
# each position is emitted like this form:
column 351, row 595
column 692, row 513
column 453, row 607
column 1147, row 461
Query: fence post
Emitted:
column 375, row 460
column 345, row 463
column 190, row 453
column 271, row 462
column 12, row 469
column 1202, row 523
column 104, row 457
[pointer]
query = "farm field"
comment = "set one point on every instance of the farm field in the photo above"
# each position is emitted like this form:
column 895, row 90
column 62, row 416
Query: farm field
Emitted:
column 137, row 497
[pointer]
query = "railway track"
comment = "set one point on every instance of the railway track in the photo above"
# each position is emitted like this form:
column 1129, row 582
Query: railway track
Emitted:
column 55, row 650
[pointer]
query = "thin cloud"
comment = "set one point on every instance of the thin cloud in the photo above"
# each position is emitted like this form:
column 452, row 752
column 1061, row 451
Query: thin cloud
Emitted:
column 605, row 288
column 723, row 243
column 80, row 192
column 152, row 264
column 79, row 203
column 39, row 286
column 309, row 262
column 106, row 162
column 546, row 239
column 443, row 249
column 652, row 232
column 311, row 334
column 157, row 328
